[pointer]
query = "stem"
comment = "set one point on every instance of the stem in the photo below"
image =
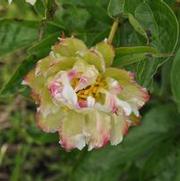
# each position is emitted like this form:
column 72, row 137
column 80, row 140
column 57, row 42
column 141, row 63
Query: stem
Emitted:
column 113, row 30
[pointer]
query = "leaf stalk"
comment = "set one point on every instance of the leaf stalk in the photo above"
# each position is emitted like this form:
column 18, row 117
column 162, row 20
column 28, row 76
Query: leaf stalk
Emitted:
column 113, row 30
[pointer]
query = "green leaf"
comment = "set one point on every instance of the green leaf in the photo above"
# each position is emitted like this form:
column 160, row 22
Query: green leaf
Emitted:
column 116, row 8
column 130, row 55
column 137, row 49
column 137, row 26
column 38, row 51
column 177, row 177
column 20, row 159
column 15, row 34
column 121, row 8
column 162, row 23
column 130, row 6
column 71, row 18
column 175, row 77
column 40, row 8
column 41, row 48
column 162, row 28
column 15, row 81
column 160, row 164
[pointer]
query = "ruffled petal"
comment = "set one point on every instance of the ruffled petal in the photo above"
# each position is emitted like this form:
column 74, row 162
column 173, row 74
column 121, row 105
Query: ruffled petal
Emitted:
column 62, row 91
column 46, row 103
column 59, row 65
column 50, row 123
column 69, row 47
column 36, row 83
column 68, row 92
column 113, row 104
column 93, row 57
column 131, row 92
column 88, row 76
column 43, row 65
column 120, row 127
column 71, row 131
column 113, row 86
column 32, row 2
column 98, row 125
column 108, row 52
column 90, row 102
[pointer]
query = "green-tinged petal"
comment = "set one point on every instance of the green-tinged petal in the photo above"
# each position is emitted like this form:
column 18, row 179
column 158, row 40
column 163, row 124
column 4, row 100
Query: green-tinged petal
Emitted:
column 122, row 76
column 135, row 120
column 93, row 57
column 50, row 122
column 32, row 2
column 131, row 92
column 98, row 125
column 108, row 52
column 46, row 105
column 134, row 95
column 35, row 82
column 63, row 64
column 69, row 47
column 89, row 74
column 43, row 65
column 71, row 131
column 119, row 128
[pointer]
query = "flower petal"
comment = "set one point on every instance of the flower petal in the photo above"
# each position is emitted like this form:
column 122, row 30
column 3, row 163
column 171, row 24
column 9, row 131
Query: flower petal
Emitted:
column 113, row 86
column 43, row 65
column 71, row 131
column 68, row 92
column 46, row 103
column 119, row 128
column 50, row 123
column 88, row 76
column 125, row 106
column 93, row 57
column 108, row 52
column 98, row 125
column 62, row 91
column 32, row 2
column 69, row 47
column 59, row 65
column 90, row 101
column 131, row 92
column 35, row 82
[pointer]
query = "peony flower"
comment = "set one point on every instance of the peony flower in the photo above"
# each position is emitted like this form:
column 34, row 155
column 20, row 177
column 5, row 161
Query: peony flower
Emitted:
column 32, row 2
column 84, row 99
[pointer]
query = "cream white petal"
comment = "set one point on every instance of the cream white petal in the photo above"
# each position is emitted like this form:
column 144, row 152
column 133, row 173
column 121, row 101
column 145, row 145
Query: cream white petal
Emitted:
column 125, row 106
column 90, row 101
column 119, row 127
column 32, row 2
column 68, row 92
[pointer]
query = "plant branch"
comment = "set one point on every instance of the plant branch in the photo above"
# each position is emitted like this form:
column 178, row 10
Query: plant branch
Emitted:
column 113, row 30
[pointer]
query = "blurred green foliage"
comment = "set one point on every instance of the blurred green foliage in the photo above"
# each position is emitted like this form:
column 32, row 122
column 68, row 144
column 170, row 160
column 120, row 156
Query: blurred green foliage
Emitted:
column 147, row 38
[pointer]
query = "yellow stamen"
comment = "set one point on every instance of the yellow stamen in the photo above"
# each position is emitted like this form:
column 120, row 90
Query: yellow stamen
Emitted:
column 92, row 90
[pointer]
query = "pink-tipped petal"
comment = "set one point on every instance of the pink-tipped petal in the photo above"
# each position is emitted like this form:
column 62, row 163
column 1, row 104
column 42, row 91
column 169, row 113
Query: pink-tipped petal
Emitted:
column 50, row 123
column 69, row 47
column 97, row 129
column 131, row 92
column 71, row 131
column 119, row 128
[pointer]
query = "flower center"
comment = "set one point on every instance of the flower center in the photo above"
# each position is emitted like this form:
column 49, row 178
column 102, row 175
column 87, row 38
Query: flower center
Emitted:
column 91, row 90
